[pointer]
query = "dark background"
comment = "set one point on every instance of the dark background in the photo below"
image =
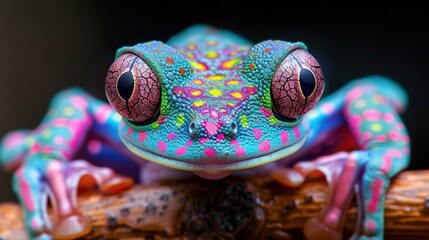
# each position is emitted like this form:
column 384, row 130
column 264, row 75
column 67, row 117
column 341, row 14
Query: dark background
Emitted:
column 50, row 45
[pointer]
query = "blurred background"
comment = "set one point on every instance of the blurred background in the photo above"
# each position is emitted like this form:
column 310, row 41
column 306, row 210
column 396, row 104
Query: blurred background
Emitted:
column 46, row 46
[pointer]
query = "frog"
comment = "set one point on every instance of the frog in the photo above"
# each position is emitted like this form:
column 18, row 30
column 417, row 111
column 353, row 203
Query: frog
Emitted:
column 211, row 103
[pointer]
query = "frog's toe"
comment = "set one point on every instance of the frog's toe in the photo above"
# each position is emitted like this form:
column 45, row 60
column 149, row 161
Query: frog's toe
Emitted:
column 71, row 227
column 315, row 229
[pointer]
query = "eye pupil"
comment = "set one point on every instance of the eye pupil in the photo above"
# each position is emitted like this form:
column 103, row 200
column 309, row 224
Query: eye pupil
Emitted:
column 125, row 85
column 307, row 82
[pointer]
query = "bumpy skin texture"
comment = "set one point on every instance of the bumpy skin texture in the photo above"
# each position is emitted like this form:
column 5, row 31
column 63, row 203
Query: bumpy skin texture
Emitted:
column 212, row 103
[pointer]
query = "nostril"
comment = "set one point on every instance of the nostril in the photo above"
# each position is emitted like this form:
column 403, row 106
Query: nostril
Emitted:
column 192, row 129
column 234, row 128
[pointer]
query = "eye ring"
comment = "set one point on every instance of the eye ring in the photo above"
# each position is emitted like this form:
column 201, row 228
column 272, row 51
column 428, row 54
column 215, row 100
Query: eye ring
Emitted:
column 296, row 86
column 133, row 89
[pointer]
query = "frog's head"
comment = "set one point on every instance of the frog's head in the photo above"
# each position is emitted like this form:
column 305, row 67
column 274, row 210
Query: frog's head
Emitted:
column 239, row 108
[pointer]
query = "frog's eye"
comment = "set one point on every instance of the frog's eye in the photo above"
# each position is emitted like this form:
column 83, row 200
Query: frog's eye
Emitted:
column 296, row 86
column 133, row 89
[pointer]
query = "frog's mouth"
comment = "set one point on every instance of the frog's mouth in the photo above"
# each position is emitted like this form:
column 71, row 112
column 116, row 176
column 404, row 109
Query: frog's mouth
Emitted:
column 213, row 169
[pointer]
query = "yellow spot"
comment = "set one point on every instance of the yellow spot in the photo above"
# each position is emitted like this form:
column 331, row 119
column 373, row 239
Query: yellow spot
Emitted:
column 199, row 103
column 360, row 103
column 231, row 104
column 237, row 95
column 376, row 127
column 212, row 54
column 216, row 77
column 192, row 46
column 231, row 63
column 68, row 111
column 196, row 93
column 197, row 65
column 273, row 120
column 198, row 81
column 190, row 55
column 47, row 133
column 215, row 92
column 233, row 82
column 244, row 122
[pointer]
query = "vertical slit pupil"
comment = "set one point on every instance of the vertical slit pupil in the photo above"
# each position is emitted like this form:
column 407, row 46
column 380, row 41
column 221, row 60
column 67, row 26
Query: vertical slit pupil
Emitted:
column 125, row 85
column 307, row 82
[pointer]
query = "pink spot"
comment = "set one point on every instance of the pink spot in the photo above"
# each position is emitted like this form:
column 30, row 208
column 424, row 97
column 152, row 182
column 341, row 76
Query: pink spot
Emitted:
column 14, row 140
column 162, row 146
column 94, row 146
column 327, row 108
column 267, row 113
column 188, row 143
column 386, row 163
column 389, row 117
column 162, row 119
column 129, row 132
column 178, row 90
column 406, row 150
column 170, row 136
column 297, row 132
column 214, row 114
column 371, row 226
column 122, row 125
column 210, row 152
column 284, row 136
column 25, row 189
column 203, row 140
column 79, row 102
column 257, row 133
column 211, row 127
column 376, row 189
column 35, row 148
column 240, row 151
column 381, row 138
column 102, row 113
column 59, row 140
column 264, row 146
column 180, row 151
column 354, row 94
column 366, row 136
column 234, row 142
column 142, row 136
column 35, row 224
column 372, row 115
column 220, row 137
column 394, row 135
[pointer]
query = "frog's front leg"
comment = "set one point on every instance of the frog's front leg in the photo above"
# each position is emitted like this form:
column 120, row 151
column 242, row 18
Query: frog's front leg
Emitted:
column 369, row 107
column 44, row 167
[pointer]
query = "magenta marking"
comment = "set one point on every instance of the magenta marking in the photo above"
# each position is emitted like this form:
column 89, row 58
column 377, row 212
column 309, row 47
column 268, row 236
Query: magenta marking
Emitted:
column 376, row 188
column 180, row 151
column 284, row 136
column 188, row 143
column 162, row 119
column 170, row 136
column 79, row 102
column 203, row 140
column 14, row 140
column 94, row 146
column 257, row 133
column 58, row 140
column 354, row 94
column 381, row 138
column 214, row 114
column 25, row 189
column 297, row 132
column 328, row 108
column 372, row 115
column 389, row 117
column 178, row 90
column 162, row 146
column 220, row 137
column 234, row 142
column 55, row 175
column 102, row 114
column 240, row 151
column 366, row 136
column 142, row 136
column 371, row 226
column 122, row 125
column 210, row 152
column 264, row 146
column 267, row 113
column 35, row 224
column 386, row 164
column 211, row 127
column 129, row 132
column 35, row 148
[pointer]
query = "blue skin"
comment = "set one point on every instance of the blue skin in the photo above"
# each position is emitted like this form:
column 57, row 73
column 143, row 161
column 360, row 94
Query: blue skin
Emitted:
column 213, row 103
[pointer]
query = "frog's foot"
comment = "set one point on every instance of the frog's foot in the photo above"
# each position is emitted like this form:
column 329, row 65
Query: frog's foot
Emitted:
column 39, row 178
column 341, row 171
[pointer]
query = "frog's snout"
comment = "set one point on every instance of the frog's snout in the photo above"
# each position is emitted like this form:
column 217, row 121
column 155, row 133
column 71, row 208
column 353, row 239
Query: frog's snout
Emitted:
column 218, row 130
